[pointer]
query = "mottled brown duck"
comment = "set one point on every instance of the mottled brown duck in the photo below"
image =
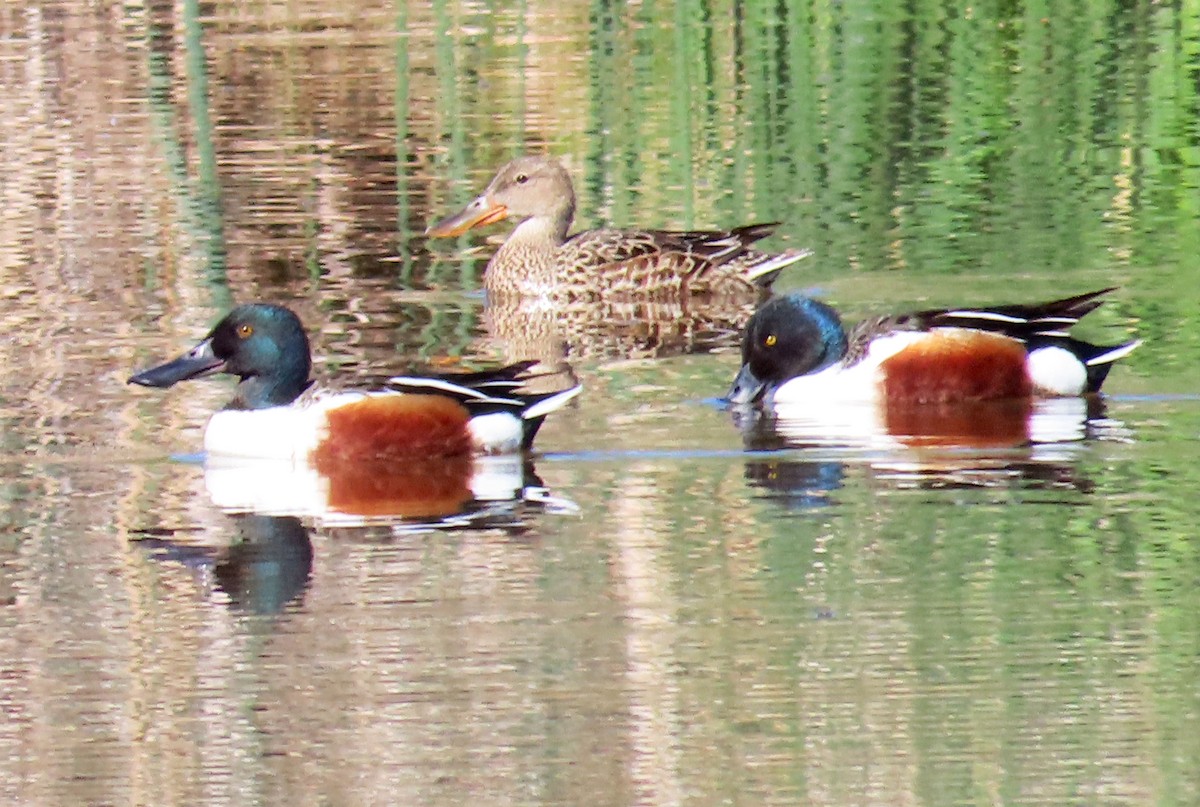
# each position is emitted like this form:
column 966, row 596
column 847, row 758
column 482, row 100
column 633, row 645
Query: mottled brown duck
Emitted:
column 539, row 258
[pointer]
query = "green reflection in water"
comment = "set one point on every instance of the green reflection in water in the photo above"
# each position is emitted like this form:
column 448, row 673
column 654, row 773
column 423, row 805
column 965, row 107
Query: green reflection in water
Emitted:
column 209, row 190
column 200, row 200
column 404, row 161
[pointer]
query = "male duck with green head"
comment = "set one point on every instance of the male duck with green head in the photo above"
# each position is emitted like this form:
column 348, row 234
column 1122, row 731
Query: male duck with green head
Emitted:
column 278, row 413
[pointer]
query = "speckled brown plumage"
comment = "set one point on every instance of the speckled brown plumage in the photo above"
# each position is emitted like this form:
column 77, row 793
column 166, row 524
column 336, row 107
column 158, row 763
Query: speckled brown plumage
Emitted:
column 539, row 258
column 613, row 329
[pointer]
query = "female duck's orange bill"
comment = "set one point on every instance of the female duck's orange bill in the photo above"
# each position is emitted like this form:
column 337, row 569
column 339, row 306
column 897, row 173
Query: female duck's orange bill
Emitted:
column 479, row 212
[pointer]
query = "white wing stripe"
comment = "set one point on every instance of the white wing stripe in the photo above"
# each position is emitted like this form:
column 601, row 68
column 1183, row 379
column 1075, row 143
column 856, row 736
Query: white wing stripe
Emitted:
column 988, row 315
column 1116, row 353
column 548, row 405
column 437, row 384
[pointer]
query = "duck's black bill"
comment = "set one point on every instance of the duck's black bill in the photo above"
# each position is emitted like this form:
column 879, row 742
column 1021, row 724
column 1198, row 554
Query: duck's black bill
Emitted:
column 747, row 387
column 199, row 361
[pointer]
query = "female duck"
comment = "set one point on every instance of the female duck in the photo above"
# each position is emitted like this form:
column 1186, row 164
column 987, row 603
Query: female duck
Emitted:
column 276, row 413
column 540, row 258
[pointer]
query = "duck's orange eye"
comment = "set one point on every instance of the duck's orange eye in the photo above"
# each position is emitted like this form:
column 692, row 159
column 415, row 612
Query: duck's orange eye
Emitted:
column 770, row 340
column 245, row 330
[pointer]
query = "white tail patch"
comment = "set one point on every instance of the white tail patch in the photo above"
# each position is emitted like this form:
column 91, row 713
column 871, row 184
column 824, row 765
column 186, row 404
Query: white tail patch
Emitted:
column 1056, row 371
column 1119, row 352
column 783, row 259
column 504, row 432
column 497, row 433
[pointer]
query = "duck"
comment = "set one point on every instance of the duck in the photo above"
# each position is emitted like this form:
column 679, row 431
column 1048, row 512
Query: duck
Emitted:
column 539, row 257
column 279, row 413
column 797, row 354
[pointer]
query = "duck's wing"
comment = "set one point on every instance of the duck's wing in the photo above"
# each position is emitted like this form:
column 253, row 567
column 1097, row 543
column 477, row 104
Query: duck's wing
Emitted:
column 674, row 261
column 1024, row 322
column 1021, row 321
column 499, row 385
column 498, row 390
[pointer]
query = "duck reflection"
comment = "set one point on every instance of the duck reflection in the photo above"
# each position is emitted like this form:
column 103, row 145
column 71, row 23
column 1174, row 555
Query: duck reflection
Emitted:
column 266, row 567
column 1032, row 442
column 794, row 483
column 270, row 566
column 553, row 330
column 434, row 493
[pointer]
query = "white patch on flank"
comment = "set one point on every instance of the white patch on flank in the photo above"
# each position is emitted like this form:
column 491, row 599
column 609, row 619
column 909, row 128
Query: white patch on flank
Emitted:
column 503, row 432
column 1056, row 371
column 497, row 433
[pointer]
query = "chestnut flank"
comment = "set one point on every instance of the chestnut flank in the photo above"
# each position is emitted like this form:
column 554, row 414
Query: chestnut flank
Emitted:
column 954, row 365
column 392, row 427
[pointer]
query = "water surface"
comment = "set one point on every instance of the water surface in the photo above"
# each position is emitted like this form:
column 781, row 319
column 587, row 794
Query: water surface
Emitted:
column 684, row 616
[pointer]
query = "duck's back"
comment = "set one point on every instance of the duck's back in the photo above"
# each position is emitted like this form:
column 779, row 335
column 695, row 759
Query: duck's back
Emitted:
column 647, row 264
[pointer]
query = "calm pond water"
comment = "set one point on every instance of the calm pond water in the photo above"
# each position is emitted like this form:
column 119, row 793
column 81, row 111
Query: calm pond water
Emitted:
column 682, row 615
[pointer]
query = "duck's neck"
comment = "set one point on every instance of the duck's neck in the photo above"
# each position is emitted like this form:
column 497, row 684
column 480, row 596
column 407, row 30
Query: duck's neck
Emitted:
column 527, row 257
column 262, row 392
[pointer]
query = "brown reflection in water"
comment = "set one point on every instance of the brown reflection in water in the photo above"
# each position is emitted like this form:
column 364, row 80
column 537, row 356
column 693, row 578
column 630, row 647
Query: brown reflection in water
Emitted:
column 416, row 489
column 989, row 424
column 551, row 330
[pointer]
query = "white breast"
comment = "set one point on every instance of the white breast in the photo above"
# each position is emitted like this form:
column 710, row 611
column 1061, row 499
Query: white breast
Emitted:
column 280, row 433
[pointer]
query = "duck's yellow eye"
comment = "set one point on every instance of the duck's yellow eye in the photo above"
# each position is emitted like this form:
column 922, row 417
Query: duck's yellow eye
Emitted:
column 770, row 340
column 245, row 330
